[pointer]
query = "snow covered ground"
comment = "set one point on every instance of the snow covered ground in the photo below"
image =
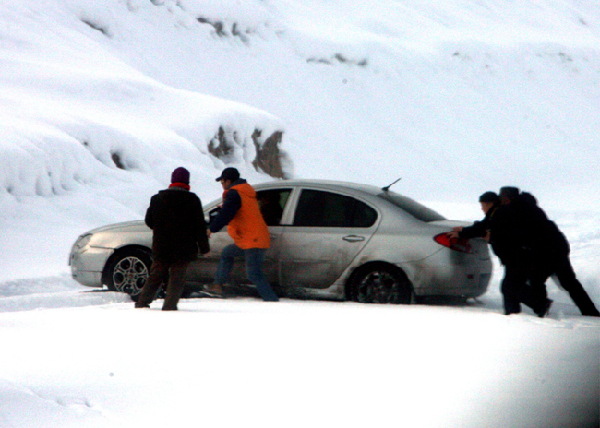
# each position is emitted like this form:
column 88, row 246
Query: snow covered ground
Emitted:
column 73, row 357
column 100, row 101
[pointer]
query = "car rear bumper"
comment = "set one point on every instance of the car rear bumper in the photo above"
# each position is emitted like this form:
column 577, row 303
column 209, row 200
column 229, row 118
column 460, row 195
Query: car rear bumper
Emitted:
column 450, row 273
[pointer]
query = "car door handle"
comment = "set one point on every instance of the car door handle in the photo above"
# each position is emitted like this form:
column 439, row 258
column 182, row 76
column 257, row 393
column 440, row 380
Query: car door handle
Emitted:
column 273, row 236
column 353, row 238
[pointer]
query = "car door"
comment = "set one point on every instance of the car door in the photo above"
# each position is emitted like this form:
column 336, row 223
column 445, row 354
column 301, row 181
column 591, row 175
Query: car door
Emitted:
column 328, row 231
column 273, row 203
column 204, row 269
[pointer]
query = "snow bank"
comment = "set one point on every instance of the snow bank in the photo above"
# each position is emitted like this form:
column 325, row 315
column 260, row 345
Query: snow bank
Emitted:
column 246, row 362
column 52, row 293
column 72, row 110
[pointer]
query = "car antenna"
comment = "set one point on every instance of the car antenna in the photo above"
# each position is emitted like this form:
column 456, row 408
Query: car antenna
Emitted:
column 386, row 188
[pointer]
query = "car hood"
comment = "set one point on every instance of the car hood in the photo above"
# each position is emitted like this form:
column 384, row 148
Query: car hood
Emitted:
column 126, row 226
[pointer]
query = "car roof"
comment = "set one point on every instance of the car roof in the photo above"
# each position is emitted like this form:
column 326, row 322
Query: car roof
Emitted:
column 365, row 188
column 414, row 208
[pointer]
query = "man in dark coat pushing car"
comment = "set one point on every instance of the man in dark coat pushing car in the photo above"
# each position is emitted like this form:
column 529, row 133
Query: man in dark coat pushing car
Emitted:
column 179, row 233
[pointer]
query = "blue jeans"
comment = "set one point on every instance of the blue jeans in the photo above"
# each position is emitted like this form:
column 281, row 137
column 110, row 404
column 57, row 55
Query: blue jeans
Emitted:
column 254, row 269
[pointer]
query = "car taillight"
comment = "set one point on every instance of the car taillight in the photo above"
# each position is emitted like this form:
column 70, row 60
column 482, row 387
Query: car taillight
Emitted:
column 456, row 244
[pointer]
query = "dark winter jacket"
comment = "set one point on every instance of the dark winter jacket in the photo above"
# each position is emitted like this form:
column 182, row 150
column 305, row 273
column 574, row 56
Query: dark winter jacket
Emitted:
column 506, row 235
column 555, row 244
column 179, row 230
column 540, row 235
column 522, row 231
column 479, row 229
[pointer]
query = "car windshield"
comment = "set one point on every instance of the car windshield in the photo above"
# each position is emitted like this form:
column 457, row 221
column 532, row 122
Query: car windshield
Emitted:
column 418, row 211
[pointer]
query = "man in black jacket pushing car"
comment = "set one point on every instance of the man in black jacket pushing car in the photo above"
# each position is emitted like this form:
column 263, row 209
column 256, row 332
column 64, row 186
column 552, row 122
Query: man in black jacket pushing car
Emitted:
column 503, row 227
column 179, row 234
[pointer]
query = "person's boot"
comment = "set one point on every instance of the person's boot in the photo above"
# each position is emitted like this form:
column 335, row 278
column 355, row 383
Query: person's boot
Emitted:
column 546, row 309
column 174, row 291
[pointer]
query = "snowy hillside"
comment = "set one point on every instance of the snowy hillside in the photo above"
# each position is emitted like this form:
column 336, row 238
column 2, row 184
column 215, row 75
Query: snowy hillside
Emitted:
column 100, row 100
column 455, row 98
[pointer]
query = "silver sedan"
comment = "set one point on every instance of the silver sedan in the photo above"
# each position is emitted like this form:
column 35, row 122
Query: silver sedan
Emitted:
column 329, row 240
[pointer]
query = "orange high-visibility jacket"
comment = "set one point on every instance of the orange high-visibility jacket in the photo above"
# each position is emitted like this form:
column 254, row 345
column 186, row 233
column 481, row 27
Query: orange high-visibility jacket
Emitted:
column 248, row 228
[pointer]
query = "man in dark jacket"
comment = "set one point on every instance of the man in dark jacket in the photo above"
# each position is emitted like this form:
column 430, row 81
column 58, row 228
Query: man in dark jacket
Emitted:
column 550, row 255
column 511, row 233
column 503, row 229
column 179, row 234
column 480, row 229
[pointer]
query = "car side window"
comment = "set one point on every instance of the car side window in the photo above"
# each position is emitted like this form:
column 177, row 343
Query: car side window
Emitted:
column 325, row 209
column 272, row 203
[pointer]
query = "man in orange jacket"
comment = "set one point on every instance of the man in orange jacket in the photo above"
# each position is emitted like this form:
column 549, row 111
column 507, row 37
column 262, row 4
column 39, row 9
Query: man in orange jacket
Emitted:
column 249, row 231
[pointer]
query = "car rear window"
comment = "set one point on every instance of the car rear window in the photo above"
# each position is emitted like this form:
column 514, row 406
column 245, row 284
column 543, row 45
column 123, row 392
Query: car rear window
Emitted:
column 418, row 211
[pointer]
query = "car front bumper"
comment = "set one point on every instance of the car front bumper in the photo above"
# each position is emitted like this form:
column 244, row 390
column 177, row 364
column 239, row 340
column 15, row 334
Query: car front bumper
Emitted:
column 87, row 264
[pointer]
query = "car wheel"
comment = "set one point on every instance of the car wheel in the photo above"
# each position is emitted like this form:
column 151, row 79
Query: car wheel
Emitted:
column 381, row 284
column 128, row 271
